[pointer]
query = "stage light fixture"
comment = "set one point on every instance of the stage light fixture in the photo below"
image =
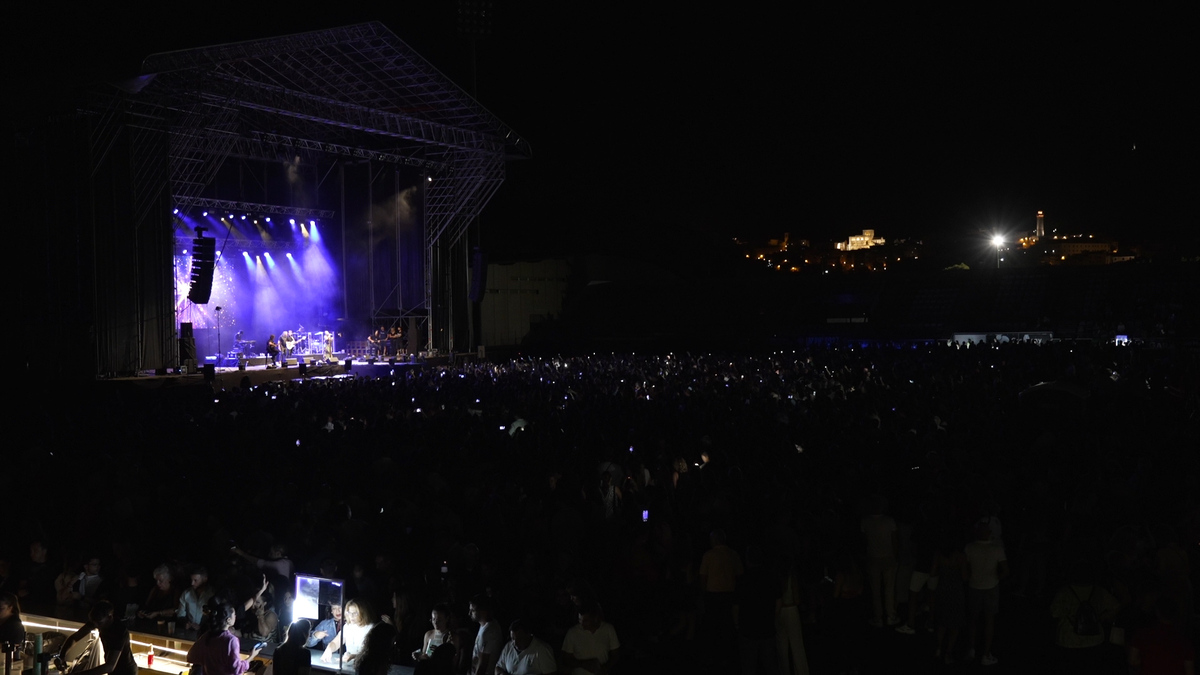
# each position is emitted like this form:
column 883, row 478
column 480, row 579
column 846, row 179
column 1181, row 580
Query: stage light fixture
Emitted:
column 206, row 214
column 243, row 217
column 268, row 219
column 176, row 212
column 292, row 221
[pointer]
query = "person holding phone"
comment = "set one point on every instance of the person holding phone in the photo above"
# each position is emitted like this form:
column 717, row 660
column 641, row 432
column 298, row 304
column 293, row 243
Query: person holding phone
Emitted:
column 218, row 651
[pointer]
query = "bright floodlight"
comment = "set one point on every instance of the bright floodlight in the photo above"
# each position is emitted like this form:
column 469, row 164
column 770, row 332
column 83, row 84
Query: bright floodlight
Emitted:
column 997, row 241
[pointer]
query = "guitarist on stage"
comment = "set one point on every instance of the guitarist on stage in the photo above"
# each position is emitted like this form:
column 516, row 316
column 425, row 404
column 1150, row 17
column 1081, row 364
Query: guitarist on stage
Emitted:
column 272, row 351
column 378, row 340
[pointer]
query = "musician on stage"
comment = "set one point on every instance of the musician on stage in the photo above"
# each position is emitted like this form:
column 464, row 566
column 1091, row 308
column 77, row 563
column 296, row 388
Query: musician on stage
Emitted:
column 272, row 351
column 378, row 340
column 393, row 338
column 285, row 339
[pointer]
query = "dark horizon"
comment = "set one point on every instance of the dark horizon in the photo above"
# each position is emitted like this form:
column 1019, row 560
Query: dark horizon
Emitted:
column 652, row 129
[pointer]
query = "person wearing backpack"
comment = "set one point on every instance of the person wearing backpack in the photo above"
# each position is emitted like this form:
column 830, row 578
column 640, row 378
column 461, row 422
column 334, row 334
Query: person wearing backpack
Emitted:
column 1082, row 611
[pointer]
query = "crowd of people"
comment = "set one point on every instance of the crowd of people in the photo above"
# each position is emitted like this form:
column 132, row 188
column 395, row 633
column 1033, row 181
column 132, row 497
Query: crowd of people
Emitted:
column 771, row 513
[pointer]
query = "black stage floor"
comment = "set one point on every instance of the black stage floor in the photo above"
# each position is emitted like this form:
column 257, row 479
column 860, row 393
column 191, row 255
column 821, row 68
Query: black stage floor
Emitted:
column 256, row 372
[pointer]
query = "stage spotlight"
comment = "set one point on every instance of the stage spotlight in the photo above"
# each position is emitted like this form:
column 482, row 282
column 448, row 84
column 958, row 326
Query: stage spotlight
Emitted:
column 292, row 221
column 289, row 256
column 312, row 223
column 429, row 179
column 231, row 216
column 268, row 219
column 206, row 214
column 176, row 212
column 243, row 217
column 185, row 251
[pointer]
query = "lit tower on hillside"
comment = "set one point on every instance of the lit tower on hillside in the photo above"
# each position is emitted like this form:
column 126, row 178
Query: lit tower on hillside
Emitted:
column 1040, row 232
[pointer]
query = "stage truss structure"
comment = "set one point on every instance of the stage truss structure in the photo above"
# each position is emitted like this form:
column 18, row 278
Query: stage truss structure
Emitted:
column 357, row 92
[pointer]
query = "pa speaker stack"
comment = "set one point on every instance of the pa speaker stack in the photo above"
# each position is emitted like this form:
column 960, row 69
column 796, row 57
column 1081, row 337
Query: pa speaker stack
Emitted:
column 204, row 263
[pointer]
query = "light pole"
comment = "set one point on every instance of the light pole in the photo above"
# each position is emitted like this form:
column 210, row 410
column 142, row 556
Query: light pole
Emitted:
column 998, row 241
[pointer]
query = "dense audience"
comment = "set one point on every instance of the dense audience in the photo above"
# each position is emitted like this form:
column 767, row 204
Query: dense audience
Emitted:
column 646, row 513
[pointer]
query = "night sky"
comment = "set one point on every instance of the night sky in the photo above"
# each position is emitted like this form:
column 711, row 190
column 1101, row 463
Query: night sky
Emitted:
column 677, row 129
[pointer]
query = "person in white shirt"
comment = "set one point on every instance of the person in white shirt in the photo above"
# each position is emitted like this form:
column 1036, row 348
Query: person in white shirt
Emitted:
column 359, row 622
column 591, row 646
column 489, row 641
column 524, row 654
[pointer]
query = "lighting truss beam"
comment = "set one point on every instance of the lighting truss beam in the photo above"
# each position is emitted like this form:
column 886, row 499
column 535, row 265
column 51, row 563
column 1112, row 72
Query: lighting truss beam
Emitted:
column 230, row 90
column 250, row 207
column 253, row 245
column 293, row 143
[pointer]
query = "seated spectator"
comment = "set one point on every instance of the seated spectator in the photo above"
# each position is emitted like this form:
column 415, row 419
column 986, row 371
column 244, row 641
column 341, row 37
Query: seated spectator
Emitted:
column 1163, row 647
column 359, row 622
column 12, row 630
column 193, row 599
column 591, row 646
column 525, row 654
column 1082, row 610
column 163, row 601
column 327, row 629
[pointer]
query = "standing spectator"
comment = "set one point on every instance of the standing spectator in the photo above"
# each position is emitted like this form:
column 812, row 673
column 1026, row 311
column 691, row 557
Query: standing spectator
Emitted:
column 591, row 646
column 719, row 572
column 789, row 636
column 987, row 565
column 950, row 601
column 291, row 657
column 525, row 654
column 218, row 651
column 754, row 614
column 883, row 548
column 36, row 578
column 488, row 641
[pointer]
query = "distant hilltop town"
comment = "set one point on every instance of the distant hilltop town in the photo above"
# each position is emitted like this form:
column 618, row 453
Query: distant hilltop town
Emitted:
column 866, row 251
